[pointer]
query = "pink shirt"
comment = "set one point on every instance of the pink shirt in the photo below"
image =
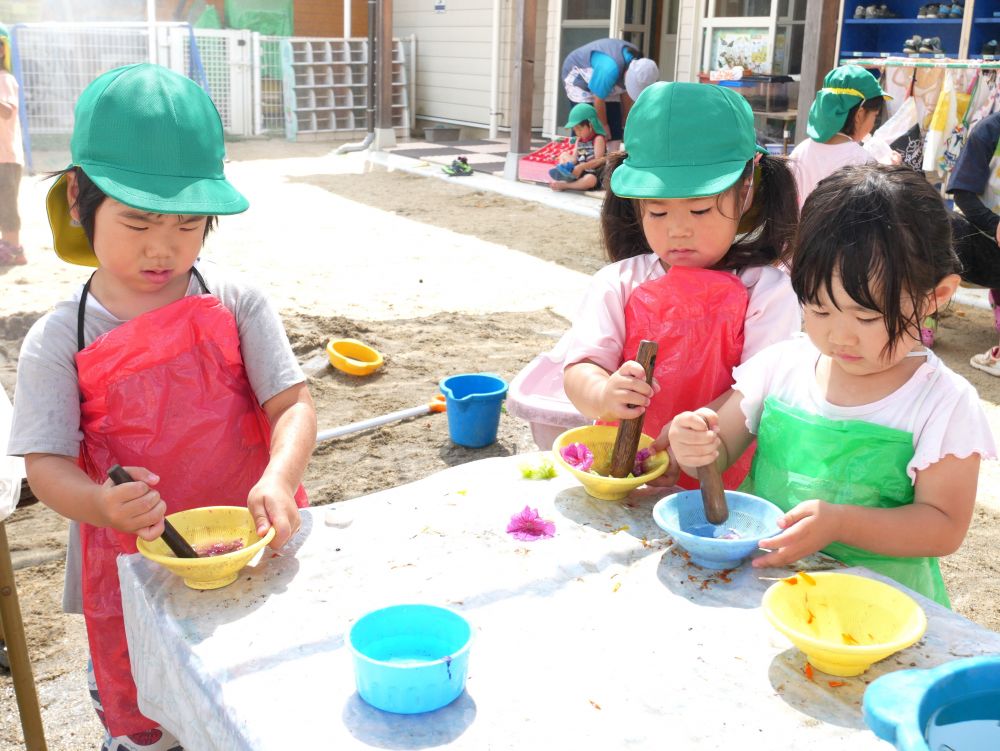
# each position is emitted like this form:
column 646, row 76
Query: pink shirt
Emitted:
column 598, row 332
column 811, row 161
column 11, row 149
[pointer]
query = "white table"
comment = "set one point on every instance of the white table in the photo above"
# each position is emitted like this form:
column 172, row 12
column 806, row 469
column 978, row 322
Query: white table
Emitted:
column 599, row 638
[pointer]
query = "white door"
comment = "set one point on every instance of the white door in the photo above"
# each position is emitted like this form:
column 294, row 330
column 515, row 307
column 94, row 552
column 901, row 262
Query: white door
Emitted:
column 668, row 40
column 631, row 20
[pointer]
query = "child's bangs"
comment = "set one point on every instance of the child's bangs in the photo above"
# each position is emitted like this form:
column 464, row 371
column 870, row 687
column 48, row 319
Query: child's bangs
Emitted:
column 854, row 248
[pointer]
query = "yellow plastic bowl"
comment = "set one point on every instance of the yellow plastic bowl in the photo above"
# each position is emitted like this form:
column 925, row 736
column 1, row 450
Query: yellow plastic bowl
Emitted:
column 202, row 527
column 354, row 357
column 600, row 439
column 843, row 623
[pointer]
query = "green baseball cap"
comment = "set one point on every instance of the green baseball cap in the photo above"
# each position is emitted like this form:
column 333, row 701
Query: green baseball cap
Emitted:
column 843, row 88
column 584, row 112
column 685, row 140
column 151, row 139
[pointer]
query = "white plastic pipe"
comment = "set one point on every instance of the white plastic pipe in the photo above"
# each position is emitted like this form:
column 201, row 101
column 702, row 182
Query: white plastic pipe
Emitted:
column 347, row 19
column 495, row 71
column 374, row 422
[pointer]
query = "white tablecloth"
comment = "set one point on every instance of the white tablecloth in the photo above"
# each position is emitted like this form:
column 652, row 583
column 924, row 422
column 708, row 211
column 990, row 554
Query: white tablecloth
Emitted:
column 602, row 637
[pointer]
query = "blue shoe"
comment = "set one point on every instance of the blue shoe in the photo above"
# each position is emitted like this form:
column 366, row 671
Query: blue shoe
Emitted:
column 562, row 174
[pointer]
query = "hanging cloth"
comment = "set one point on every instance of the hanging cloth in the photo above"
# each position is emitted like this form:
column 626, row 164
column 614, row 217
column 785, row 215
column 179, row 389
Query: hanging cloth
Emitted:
column 696, row 316
column 167, row 391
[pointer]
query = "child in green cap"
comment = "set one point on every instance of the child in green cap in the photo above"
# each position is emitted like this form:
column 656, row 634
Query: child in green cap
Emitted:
column 161, row 363
column 697, row 222
column 842, row 115
column 865, row 438
column 580, row 169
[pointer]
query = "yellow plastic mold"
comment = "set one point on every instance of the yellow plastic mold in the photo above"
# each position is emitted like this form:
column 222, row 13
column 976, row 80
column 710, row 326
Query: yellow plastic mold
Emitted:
column 353, row 357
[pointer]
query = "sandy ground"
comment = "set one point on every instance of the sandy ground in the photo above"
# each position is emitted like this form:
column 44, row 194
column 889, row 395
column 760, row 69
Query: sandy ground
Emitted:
column 441, row 277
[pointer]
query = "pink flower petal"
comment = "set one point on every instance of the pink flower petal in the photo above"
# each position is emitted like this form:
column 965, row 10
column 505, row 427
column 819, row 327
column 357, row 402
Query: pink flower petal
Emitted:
column 578, row 456
column 528, row 525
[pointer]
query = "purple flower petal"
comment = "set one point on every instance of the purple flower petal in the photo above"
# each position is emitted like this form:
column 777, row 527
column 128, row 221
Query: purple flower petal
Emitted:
column 528, row 525
column 640, row 461
column 578, row 456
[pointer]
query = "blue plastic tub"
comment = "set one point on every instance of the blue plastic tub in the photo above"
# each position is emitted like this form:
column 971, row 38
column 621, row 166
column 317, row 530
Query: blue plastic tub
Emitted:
column 410, row 658
column 954, row 705
column 682, row 516
column 473, row 401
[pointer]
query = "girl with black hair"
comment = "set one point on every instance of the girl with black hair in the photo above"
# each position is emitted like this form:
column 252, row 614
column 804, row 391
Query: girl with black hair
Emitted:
column 698, row 222
column 868, row 441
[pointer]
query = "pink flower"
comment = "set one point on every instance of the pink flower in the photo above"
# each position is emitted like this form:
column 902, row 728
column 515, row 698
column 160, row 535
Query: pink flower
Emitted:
column 578, row 456
column 640, row 461
column 528, row 525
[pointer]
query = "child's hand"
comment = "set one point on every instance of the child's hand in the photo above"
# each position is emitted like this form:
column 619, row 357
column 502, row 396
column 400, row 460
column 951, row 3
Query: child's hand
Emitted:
column 692, row 438
column 669, row 478
column 134, row 507
column 626, row 393
column 578, row 170
column 271, row 505
column 810, row 526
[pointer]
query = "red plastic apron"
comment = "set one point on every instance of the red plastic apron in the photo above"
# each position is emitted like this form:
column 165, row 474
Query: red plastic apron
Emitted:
column 696, row 317
column 167, row 391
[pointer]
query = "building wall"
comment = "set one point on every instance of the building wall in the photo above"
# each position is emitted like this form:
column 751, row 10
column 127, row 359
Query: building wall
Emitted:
column 688, row 41
column 507, row 36
column 453, row 58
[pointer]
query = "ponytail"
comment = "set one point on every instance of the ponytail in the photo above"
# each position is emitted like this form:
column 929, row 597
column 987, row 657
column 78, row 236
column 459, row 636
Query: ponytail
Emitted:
column 768, row 226
column 621, row 219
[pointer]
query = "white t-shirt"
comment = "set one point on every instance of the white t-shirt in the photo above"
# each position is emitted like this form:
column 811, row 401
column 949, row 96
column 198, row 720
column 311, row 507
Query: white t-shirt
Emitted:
column 943, row 413
column 811, row 161
column 598, row 331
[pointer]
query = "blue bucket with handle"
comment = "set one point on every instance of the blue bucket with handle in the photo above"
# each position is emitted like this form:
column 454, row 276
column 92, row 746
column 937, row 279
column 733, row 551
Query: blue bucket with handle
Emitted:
column 955, row 705
column 473, row 404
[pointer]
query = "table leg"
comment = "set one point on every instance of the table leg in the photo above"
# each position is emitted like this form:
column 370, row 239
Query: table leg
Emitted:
column 17, row 652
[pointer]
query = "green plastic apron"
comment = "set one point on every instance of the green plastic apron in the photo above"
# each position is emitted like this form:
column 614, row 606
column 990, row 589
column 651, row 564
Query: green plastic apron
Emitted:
column 801, row 456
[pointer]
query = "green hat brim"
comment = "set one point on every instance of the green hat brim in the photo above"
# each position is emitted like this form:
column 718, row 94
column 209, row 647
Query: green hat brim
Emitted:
column 68, row 239
column 682, row 181
column 164, row 195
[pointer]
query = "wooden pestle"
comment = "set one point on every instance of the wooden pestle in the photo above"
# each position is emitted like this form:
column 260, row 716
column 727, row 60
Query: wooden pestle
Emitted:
column 629, row 431
column 713, row 494
column 175, row 541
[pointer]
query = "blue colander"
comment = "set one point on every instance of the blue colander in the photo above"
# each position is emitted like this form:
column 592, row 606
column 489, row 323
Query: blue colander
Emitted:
column 751, row 519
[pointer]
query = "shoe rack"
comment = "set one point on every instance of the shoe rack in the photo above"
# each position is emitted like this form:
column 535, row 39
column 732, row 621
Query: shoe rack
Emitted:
column 878, row 35
column 326, row 80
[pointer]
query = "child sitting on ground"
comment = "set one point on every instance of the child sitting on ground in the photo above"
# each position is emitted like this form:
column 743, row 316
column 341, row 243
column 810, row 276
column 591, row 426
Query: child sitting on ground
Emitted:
column 697, row 221
column 868, row 442
column 161, row 363
column 580, row 169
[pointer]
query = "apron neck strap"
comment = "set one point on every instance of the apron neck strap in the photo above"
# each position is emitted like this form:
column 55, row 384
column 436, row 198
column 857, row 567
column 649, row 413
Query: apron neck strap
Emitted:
column 82, row 308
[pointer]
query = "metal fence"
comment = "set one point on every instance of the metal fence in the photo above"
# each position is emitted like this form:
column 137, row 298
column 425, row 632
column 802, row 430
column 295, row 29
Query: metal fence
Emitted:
column 241, row 70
